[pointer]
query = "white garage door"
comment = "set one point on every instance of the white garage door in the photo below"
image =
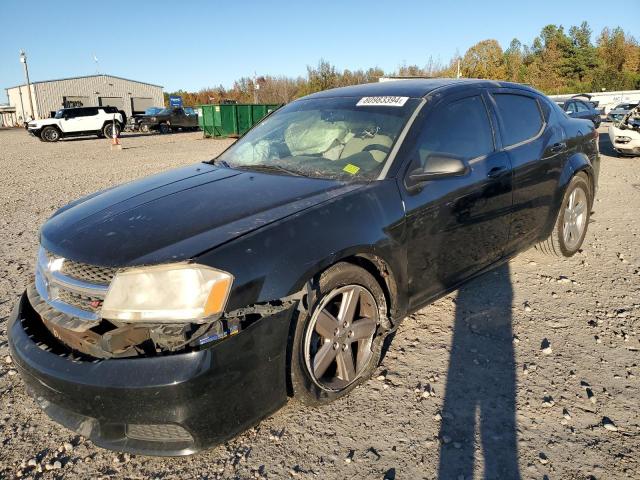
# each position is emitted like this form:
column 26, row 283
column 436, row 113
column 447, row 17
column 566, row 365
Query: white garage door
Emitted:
column 140, row 104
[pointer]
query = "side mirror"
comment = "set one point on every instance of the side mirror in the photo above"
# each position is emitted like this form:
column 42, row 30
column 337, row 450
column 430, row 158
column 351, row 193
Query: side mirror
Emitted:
column 440, row 165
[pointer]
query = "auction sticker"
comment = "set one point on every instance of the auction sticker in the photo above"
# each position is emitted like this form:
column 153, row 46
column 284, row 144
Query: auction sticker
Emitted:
column 382, row 101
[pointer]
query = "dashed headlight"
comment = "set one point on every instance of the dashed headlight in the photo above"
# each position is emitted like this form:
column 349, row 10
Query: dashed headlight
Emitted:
column 167, row 293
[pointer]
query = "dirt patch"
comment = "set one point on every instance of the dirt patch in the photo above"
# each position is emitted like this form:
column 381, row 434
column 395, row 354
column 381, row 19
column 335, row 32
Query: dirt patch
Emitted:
column 531, row 370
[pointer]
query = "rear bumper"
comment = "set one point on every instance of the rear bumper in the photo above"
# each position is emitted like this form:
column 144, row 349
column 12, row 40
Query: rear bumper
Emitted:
column 169, row 405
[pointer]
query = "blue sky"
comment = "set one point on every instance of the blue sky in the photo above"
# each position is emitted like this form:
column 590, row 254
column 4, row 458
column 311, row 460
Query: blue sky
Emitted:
column 195, row 44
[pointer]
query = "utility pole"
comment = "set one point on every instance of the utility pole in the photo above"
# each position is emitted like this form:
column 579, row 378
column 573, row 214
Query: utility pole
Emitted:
column 23, row 60
column 458, row 73
column 21, row 105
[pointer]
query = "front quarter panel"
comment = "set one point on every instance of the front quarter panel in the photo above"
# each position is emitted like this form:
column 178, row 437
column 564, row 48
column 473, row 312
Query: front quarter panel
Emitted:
column 277, row 260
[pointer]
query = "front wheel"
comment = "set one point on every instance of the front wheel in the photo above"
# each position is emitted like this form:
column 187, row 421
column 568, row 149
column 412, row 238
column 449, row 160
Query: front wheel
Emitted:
column 50, row 134
column 571, row 225
column 164, row 128
column 338, row 343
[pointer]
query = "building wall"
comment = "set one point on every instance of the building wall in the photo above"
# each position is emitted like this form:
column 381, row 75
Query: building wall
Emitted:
column 49, row 96
column 23, row 109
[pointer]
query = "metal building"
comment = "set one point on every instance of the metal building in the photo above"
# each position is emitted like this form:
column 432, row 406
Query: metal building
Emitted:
column 92, row 90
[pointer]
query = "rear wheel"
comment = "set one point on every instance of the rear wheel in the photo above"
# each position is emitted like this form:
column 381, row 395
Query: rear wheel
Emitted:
column 164, row 128
column 108, row 129
column 571, row 225
column 338, row 344
column 50, row 134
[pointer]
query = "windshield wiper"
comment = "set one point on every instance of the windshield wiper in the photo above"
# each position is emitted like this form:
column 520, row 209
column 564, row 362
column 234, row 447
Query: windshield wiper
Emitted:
column 270, row 168
column 218, row 161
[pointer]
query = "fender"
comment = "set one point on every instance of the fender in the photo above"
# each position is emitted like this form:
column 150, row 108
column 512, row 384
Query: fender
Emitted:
column 368, row 227
column 577, row 162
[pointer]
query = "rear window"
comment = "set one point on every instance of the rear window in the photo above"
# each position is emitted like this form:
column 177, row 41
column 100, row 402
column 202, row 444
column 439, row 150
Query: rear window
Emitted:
column 521, row 117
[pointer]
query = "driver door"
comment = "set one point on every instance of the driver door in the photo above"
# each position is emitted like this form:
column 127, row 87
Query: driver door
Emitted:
column 456, row 225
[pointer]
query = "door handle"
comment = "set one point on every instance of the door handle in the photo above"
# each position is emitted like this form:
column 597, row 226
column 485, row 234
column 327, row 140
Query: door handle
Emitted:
column 496, row 171
column 557, row 147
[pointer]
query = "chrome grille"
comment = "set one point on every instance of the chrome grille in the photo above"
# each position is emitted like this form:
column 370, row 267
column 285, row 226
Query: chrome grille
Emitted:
column 78, row 300
column 88, row 273
column 74, row 289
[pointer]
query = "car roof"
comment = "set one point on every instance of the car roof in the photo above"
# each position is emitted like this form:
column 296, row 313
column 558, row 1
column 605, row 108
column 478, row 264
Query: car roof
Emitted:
column 410, row 88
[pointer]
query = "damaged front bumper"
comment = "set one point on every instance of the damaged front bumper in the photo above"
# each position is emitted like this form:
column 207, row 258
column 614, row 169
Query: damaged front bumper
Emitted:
column 171, row 404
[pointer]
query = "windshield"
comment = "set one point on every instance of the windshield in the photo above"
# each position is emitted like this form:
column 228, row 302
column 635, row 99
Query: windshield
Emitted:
column 164, row 111
column 152, row 111
column 337, row 138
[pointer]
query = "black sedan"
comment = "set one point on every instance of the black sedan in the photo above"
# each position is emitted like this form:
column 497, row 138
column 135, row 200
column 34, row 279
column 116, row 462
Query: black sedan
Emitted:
column 582, row 109
column 168, row 314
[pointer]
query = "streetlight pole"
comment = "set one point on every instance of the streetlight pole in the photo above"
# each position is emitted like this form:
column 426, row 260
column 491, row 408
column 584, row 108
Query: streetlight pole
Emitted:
column 23, row 60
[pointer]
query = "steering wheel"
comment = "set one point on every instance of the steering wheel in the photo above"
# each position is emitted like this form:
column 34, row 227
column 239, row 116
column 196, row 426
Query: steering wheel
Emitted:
column 376, row 146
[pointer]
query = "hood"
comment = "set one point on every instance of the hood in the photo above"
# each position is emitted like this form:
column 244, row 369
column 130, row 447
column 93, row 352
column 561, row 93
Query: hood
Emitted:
column 178, row 214
column 43, row 122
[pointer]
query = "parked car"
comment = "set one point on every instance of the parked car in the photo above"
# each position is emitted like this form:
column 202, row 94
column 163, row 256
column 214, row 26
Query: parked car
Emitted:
column 133, row 122
column 582, row 109
column 78, row 121
column 168, row 119
column 171, row 313
column 625, row 134
column 620, row 110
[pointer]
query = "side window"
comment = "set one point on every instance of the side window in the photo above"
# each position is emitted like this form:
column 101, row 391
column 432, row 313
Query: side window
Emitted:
column 582, row 107
column 460, row 128
column 570, row 107
column 521, row 117
column 71, row 113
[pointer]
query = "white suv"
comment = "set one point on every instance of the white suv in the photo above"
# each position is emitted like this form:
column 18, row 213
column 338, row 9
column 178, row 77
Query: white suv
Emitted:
column 74, row 122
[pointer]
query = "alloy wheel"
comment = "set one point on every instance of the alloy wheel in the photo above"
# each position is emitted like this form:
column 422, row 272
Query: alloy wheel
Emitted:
column 575, row 218
column 51, row 135
column 339, row 337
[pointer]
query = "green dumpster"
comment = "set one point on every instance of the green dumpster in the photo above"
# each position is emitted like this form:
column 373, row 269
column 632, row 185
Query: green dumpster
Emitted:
column 232, row 119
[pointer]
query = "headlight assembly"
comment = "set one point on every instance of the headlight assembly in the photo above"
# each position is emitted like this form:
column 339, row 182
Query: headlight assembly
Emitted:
column 167, row 293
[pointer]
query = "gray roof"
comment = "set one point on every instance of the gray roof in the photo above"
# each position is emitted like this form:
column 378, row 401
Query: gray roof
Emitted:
column 84, row 76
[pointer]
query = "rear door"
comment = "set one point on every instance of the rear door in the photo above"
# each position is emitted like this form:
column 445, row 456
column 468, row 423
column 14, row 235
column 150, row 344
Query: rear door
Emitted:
column 537, row 149
column 178, row 118
column 90, row 119
column 455, row 225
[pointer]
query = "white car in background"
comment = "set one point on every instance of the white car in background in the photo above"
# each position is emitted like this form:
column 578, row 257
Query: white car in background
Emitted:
column 625, row 135
column 79, row 121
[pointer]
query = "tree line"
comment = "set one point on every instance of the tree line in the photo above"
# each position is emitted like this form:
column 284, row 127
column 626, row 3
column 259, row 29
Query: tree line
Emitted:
column 557, row 61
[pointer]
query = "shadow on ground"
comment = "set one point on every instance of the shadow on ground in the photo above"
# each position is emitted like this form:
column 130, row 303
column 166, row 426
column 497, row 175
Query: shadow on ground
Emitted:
column 480, row 398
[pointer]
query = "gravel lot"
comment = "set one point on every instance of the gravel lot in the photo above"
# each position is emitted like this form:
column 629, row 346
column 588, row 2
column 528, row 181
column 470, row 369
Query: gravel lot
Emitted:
column 530, row 371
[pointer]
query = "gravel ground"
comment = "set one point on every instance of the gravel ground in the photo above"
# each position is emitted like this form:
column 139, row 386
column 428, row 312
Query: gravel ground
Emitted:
column 529, row 371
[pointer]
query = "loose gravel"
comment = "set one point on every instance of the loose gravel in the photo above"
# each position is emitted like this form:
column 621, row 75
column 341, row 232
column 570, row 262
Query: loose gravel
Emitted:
column 529, row 371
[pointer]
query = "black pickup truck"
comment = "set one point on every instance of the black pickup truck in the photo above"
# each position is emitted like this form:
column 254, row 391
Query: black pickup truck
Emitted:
column 168, row 119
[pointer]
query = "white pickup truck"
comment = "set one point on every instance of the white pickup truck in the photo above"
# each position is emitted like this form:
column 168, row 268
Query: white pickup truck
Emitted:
column 74, row 122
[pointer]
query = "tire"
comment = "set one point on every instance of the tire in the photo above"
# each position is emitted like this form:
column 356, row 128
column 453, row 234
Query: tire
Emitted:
column 164, row 128
column 572, row 222
column 50, row 134
column 144, row 128
column 107, row 130
column 356, row 336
